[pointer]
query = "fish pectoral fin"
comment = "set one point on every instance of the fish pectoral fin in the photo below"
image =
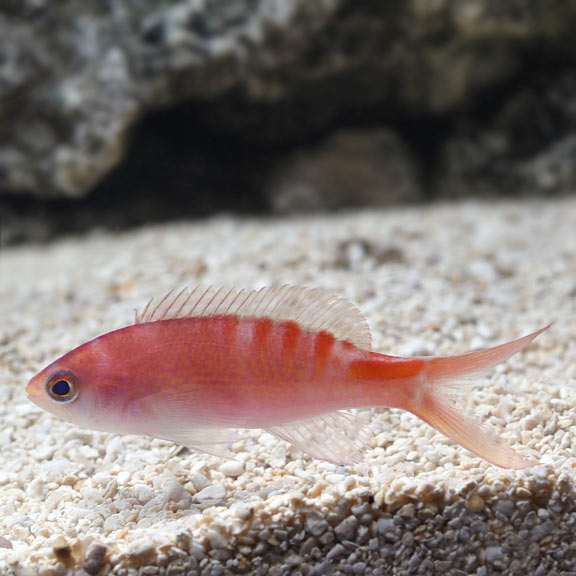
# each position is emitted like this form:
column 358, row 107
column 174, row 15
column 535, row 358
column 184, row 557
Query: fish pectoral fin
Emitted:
column 213, row 441
column 171, row 420
column 338, row 437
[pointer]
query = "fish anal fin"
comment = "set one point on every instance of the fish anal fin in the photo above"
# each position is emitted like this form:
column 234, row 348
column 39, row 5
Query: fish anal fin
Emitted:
column 338, row 437
column 313, row 309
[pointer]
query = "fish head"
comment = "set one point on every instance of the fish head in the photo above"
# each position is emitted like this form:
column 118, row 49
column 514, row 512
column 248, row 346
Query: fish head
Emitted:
column 83, row 387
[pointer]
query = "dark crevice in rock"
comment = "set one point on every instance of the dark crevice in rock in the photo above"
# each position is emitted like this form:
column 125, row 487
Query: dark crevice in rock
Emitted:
column 174, row 169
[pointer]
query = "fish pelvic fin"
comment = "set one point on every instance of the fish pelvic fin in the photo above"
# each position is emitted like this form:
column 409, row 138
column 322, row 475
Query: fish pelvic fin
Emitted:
column 444, row 394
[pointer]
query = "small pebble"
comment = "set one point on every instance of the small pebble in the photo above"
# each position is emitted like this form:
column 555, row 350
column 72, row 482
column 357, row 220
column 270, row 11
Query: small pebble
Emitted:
column 216, row 539
column 113, row 522
column 505, row 507
column 385, row 525
column 141, row 549
column 196, row 550
column 232, row 468
column 347, row 528
column 213, row 492
column 95, row 557
column 475, row 503
column 529, row 422
column 242, row 511
column 143, row 492
column 540, row 471
column 493, row 553
column 123, row 477
column 336, row 551
column 316, row 524
column 200, row 481
column 407, row 511
column 173, row 490
column 542, row 530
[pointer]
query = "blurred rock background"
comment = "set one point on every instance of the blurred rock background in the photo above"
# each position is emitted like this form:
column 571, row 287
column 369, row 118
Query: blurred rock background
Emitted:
column 117, row 113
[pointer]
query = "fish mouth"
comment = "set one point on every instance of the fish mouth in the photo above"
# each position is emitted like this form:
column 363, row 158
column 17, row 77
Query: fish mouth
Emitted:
column 32, row 391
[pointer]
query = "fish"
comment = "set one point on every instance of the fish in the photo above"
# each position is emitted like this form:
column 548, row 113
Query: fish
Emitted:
column 198, row 365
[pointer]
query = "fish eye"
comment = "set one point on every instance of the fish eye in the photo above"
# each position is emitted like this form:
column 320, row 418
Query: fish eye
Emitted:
column 62, row 387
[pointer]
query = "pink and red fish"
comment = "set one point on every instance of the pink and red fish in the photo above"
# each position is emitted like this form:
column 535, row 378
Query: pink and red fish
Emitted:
column 284, row 359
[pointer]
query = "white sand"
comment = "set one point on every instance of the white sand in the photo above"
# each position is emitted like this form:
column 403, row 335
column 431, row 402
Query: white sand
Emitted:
column 437, row 280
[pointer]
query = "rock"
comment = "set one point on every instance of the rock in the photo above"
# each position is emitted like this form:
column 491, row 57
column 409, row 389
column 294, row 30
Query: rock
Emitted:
column 350, row 168
column 506, row 154
column 552, row 169
column 76, row 79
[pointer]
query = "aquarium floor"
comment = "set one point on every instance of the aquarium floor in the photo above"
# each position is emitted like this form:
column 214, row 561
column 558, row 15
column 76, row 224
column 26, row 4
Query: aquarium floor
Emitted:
column 440, row 280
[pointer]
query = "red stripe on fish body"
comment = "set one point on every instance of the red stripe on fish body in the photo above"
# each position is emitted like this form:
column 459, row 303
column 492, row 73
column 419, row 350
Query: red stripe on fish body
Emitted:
column 290, row 337
column 389, row 380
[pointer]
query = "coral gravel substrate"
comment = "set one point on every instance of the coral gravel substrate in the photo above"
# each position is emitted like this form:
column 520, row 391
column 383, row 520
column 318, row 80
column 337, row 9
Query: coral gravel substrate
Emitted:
column 435, row 280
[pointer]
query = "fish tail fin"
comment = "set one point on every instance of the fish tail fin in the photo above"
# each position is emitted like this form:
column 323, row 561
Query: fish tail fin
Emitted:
column 444, row 394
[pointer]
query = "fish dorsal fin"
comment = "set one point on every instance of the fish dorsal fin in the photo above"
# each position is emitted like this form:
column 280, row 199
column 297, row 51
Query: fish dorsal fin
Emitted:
column 313, row 309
